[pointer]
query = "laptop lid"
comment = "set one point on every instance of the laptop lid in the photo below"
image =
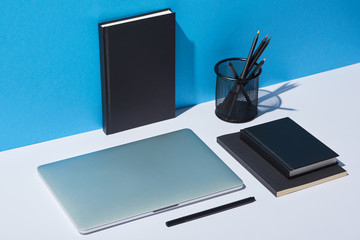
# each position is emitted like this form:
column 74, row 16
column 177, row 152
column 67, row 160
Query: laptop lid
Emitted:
column 135, row 180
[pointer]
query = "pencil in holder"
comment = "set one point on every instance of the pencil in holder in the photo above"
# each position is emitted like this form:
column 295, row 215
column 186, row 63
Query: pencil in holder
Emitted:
column 236, row 99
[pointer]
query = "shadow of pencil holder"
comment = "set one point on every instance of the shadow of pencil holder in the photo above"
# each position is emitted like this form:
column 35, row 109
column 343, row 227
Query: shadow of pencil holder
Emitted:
column 236, row 99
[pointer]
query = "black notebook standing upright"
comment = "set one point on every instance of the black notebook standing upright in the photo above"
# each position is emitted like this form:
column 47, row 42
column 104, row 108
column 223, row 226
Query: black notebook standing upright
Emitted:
column 137, row 57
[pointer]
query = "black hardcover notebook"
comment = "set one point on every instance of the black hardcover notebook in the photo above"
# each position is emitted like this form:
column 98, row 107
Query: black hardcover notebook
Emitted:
column 268, row 175
column 288, row 147
column 137, row 57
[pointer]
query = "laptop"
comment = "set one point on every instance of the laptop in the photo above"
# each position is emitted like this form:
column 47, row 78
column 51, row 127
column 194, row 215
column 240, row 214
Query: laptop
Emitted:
column 120, row 184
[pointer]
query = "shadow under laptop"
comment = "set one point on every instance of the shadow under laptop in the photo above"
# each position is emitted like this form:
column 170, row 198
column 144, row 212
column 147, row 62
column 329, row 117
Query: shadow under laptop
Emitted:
column 269, row 101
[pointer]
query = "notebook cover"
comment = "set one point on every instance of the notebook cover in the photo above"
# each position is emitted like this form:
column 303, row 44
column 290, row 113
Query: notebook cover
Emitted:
column 268, row 175
column 137, row 72
column 138, row 179
column 287, row 145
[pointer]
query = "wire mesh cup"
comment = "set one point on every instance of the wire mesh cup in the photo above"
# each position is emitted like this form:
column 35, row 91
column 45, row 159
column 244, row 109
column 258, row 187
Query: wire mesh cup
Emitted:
column 236, row 99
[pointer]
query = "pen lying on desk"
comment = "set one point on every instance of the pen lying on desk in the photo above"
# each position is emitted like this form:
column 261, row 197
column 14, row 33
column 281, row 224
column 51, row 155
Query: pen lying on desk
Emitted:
column 210, row 211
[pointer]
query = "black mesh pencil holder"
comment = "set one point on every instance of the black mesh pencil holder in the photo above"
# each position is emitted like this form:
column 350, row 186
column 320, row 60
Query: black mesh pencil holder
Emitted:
column 236, row 99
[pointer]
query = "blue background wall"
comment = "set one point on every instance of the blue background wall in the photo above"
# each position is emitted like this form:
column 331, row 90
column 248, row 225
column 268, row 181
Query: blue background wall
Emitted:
column 49, row 64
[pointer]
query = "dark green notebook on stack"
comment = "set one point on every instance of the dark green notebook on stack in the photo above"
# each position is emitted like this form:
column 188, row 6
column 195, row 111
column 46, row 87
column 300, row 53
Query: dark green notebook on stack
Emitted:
column 288, row 147
column 283, row 156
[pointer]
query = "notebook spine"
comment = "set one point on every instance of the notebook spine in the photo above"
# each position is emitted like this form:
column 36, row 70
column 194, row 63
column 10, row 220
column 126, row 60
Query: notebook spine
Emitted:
column 265, row 153
column 105, row 92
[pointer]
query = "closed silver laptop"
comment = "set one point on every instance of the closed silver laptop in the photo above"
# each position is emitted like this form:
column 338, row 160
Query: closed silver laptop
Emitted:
column 139, row 179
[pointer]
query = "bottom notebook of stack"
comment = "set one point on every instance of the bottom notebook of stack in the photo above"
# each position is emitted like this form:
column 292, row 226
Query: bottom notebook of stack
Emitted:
column 269, row 176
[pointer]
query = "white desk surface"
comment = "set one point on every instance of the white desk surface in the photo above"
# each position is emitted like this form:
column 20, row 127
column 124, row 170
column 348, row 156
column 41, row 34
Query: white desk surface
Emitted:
column 326, row 104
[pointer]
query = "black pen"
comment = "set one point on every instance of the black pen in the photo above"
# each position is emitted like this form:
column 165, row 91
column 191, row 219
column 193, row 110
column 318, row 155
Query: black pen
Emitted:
column 210, row 211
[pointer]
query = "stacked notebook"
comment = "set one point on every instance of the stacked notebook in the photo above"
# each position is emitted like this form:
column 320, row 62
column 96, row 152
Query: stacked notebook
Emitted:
column 283, row 156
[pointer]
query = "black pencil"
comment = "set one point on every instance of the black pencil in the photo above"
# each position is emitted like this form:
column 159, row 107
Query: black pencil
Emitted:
column 252, row 74
column 254, row 60
column 232, row 95
column 210, row 211
column 247, row 62
column 238, row 84
column 258, row 48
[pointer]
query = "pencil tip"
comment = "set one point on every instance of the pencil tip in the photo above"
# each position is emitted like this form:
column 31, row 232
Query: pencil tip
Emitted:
column 258, row 31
